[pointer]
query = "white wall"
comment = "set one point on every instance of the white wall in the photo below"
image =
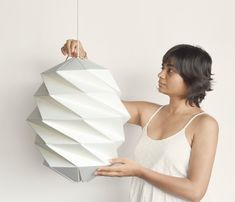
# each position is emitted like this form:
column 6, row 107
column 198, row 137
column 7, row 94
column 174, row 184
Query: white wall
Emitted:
column 129, row 37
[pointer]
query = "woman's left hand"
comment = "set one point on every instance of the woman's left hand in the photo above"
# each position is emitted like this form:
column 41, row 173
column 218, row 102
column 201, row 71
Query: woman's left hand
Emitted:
column 120, row 167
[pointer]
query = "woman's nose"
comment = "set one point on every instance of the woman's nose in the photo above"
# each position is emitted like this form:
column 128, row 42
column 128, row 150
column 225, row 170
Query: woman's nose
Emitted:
column 161, row 74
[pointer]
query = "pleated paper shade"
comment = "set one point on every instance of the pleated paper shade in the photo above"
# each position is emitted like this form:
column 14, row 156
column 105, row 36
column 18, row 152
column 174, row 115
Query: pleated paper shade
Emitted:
column 79, row 118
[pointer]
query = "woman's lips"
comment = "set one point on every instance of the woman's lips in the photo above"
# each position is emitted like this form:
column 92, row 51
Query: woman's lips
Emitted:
column 161, row 84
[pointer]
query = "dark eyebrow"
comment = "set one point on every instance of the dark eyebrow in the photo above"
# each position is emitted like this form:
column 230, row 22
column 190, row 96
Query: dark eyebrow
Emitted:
column 170, row 65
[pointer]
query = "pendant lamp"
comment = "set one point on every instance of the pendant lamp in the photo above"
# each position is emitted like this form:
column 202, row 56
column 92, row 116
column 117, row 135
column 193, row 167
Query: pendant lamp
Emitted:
column 79, row 118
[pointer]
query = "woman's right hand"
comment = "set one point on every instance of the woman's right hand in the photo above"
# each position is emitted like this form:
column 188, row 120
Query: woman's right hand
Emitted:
column 70, row 49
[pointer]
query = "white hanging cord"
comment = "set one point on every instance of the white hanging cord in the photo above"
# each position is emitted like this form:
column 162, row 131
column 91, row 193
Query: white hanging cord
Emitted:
column 78, row 27
column 77, row 32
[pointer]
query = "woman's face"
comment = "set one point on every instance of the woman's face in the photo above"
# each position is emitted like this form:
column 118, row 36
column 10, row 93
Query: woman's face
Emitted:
column 170, row 82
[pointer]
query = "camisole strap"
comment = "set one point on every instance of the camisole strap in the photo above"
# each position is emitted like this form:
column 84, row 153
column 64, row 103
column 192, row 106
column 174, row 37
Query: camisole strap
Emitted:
column 153, row 115
column 193, row 119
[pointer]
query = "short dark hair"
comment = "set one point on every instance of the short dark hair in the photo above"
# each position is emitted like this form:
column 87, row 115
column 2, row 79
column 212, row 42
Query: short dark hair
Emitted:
column 194, row 66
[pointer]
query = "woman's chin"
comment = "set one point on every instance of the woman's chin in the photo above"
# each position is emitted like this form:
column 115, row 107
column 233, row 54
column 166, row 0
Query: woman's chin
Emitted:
column 160, row 90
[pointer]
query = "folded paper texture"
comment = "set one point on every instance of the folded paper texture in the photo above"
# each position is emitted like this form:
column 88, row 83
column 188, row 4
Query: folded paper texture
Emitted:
column 79, row 118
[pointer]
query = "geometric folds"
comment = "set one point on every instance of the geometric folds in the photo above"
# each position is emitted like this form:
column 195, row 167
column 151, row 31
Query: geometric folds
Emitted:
column 79, row 118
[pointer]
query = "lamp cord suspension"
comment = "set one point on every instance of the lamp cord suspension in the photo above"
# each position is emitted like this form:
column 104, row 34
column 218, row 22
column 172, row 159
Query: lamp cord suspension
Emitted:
column 77, row 28
column 77, row 32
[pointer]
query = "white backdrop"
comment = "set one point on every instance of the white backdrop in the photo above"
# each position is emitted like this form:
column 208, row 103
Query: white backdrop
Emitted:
column 129, row 37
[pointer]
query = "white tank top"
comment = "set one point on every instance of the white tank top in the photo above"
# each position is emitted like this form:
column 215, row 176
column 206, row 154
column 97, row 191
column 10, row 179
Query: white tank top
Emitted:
column 169, row 156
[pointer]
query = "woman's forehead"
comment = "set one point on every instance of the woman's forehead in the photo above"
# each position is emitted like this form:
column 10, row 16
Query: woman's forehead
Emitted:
column 171, row 61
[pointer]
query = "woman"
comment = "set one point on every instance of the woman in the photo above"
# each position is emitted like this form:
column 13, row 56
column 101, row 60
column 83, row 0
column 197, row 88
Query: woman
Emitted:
column 175, row 154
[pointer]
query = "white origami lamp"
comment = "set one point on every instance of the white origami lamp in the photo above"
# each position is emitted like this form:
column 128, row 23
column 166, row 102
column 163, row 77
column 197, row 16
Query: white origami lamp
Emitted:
column 79, row 118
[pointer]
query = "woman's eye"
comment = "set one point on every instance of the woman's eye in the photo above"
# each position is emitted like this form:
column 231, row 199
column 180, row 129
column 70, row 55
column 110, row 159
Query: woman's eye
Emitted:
column 170, row 70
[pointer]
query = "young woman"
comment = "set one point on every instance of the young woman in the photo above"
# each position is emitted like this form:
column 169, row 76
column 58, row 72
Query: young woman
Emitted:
column 175, row 153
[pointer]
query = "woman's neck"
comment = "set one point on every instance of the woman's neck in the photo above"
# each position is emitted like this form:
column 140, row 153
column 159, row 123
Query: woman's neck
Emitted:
column 179, row 106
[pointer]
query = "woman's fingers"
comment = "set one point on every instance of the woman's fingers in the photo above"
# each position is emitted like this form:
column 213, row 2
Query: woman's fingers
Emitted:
column 71, row 47
column 82, row 52
column 111, row 174
column 74, row 45
column 68, row 47
column 119, row 160
column 63, row 50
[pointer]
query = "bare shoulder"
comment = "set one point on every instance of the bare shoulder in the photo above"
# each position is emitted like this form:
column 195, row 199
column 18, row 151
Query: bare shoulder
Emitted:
column 206, row 121
column 146, row 111
column 206, row 126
